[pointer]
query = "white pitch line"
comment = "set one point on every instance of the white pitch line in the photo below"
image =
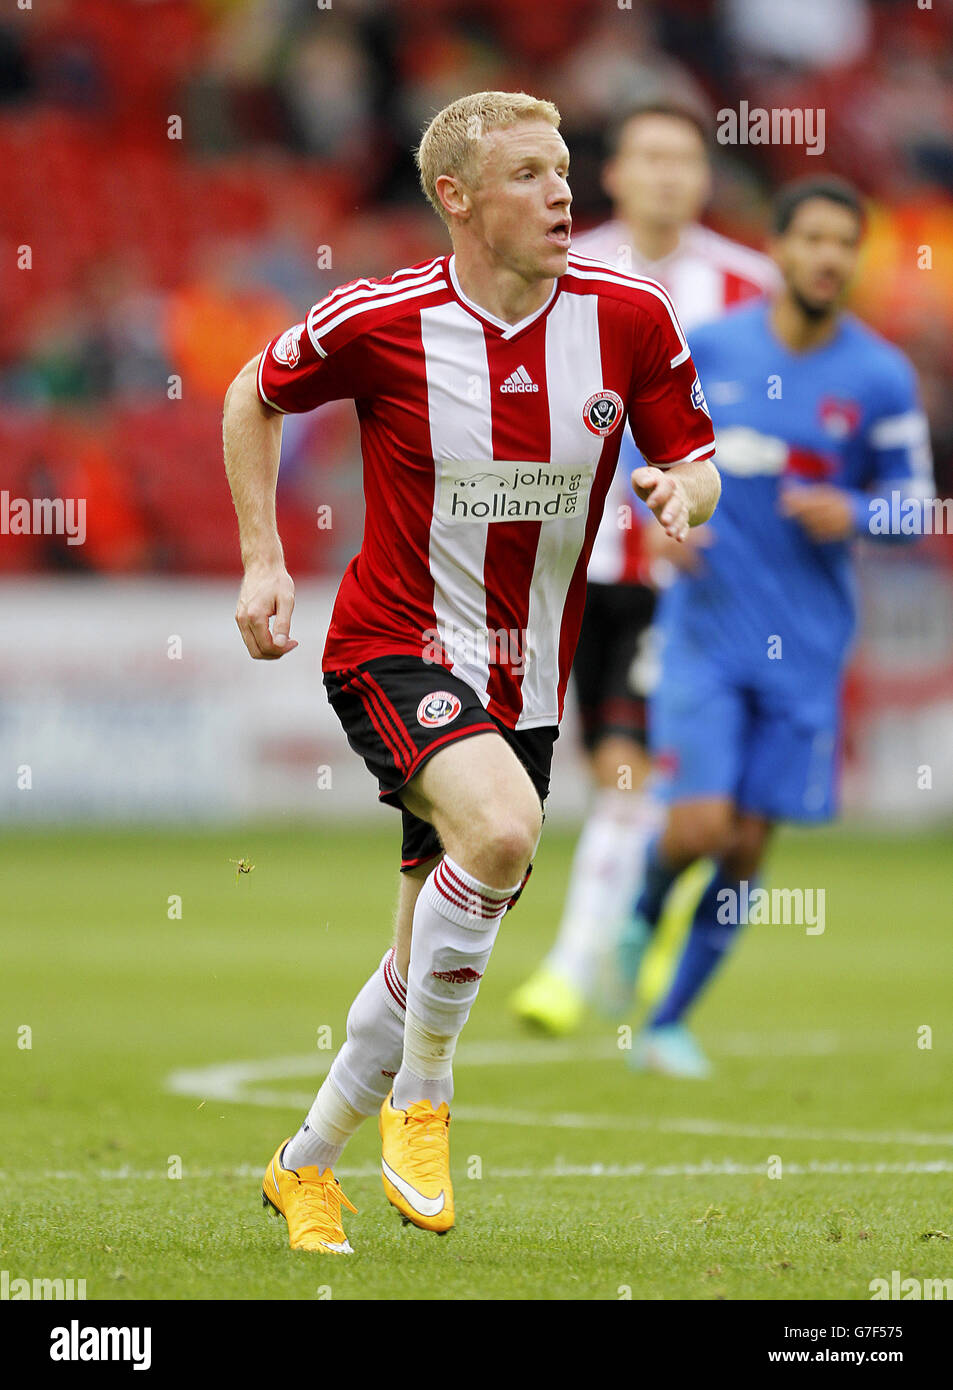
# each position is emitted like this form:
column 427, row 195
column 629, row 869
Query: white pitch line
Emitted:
column 705, row 1168
column 229, row 1081
column 694, row 1125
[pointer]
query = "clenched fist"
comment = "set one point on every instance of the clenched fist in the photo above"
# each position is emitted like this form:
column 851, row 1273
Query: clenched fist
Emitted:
column 267, row 592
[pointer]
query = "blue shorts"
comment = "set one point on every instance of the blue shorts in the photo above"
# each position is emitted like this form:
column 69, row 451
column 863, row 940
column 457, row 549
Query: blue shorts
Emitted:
column 773, row 751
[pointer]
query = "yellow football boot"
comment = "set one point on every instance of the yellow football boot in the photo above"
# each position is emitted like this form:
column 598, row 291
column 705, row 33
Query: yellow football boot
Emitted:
column 415, row 1163
column 310, row 1201
column 549, row 1003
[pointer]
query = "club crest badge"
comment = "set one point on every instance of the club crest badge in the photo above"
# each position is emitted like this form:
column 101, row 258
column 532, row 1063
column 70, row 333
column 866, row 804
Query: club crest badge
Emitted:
column 839, row 418
column 287, row 350
column 698, row 397
column 603, row 412
column 440, row 707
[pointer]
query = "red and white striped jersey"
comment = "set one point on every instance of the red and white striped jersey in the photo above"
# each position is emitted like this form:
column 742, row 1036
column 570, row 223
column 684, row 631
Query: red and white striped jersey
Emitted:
column 705, row 275
column 488, row 450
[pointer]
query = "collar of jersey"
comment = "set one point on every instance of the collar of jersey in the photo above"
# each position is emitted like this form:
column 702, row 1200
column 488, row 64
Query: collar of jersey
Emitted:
column 646, row 267
column 507, row 330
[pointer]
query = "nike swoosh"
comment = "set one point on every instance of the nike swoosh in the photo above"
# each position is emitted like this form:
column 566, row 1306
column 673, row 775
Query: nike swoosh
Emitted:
column 342, row 1247
column 423, row 1206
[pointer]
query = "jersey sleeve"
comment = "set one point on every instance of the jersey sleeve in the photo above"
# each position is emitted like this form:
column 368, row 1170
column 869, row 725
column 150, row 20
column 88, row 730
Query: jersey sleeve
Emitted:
column 897, row 446
column 305, row 367
column 668, row 413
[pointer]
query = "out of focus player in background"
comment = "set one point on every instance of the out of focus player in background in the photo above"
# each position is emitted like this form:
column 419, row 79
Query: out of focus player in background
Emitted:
column 492, row 388
column 658, row 175
column 815, row 415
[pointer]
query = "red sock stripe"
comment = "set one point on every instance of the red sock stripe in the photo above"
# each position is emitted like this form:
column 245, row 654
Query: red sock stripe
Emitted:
column 392, row 981
column 467, row 898
column 468, row 907
column 457, row 882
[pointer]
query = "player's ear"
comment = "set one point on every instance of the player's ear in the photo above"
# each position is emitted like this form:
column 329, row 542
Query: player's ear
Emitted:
column 453, row 195
column 609, row 179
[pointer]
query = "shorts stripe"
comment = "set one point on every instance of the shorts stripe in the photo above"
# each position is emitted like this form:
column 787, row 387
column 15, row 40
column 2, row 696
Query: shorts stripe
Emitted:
column 388, row 704
column 385, row 729
column 389, row 711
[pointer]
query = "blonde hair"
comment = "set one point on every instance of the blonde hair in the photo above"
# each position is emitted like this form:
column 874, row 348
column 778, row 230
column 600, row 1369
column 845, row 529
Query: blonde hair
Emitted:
column 451, row 142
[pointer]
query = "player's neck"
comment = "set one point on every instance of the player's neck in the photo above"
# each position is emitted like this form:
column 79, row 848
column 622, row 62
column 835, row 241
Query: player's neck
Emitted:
column 798, row 331
column 500, row 292
column 653, row 243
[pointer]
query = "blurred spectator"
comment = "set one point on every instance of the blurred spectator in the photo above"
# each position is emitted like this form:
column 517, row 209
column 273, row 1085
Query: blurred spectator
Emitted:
column 153, row 257
column 215, row 322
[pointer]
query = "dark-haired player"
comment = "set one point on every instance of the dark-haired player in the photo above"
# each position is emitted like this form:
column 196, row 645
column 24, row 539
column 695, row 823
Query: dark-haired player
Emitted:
column 815, row 414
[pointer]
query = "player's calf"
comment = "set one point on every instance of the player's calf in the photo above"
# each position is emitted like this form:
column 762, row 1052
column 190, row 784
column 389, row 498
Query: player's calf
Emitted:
column 456, row 921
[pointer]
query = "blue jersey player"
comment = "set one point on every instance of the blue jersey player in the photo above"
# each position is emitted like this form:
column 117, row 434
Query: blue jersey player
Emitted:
column 815, row 414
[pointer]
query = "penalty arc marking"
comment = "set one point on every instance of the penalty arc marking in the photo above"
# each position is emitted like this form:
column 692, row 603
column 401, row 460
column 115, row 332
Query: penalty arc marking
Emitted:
column 240, row 1082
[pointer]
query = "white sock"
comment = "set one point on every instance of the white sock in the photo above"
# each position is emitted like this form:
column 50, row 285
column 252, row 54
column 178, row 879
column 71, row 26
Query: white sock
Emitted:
column 456, row 921
column 606, row 871
column 361, row 1074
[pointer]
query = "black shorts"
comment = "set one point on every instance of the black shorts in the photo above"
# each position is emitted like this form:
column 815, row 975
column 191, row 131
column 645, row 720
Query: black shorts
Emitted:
column 397, row 711
column 615, row 624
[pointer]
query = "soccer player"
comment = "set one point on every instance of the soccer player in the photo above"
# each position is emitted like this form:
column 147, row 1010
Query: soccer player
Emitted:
column 492, row 387
column 815, row 415
column 659, row 178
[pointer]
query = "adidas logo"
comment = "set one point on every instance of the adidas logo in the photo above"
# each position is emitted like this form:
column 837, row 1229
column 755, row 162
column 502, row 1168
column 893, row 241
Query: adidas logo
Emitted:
column 520, row 380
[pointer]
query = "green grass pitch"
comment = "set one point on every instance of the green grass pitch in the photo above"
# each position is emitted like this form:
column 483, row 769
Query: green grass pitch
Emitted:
column 815, row 1040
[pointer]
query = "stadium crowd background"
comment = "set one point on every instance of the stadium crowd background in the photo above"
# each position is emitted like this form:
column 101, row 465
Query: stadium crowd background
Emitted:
column 156, row 258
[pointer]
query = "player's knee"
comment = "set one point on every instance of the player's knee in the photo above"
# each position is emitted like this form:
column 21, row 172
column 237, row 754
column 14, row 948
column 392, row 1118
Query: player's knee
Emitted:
column 509, row 846
column 501, row 840
column 700, row 834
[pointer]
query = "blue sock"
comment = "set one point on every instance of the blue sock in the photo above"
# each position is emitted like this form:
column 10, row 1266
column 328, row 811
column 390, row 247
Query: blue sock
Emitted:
column 708, row 942
column 657, row 880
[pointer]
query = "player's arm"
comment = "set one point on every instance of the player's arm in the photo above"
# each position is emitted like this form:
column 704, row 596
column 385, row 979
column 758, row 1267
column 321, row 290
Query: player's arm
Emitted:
column 899, row 467
column 299, row 370
column 681, row 495
column 252, row 438
column 670, row 422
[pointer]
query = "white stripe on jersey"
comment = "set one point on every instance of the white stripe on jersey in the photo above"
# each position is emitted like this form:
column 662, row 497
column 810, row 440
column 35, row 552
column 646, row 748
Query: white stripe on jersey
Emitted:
column 619, row 277
column 695, row 276
column 573, row 372
column 261, row 389
column 363, row 300
column 461, row 427
column 345, row 293
column 899, row 431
